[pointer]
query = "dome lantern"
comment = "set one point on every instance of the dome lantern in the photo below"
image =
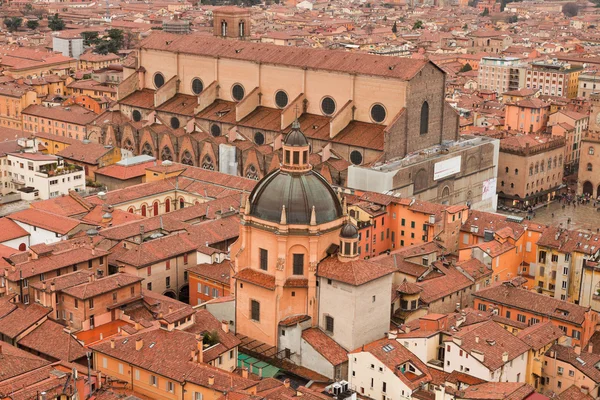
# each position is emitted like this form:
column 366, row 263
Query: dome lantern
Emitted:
column 296, row 150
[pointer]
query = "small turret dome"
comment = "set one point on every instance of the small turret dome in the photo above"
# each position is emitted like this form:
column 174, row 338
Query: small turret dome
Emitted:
column 349, row 231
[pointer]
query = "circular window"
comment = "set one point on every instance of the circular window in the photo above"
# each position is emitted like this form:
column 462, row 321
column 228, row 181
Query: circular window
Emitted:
column 197, row 86
column 328, row 105
column 259, row 138
column 159, row 80
column 237, row 92
column 215, row 130
column 174, row 123
column 356, row 157
column 281, row 99
column 137, row 116
column 378, row 113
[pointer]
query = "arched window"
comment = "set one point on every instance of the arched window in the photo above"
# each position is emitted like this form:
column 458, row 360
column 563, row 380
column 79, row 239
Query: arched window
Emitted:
column 352, row 214
column 537, row 167
column 589, row 166
column 251, row 172
column 549, row 163
column 22, row 247
column 207, row 163
column 186, row 158
column 166, row 154
column 144, row 212
column 181, row 203
column 531, row 170
column 223, row 28
column 155, row 206
column 554, row 161
column 424, row 118
column 147, row 149
column 502, row 183
column 128, row 145
column 560, row 161
column 591, row 151
column 131, row 210
column 516, row 171
column 507, row 170
column 168, row 205
column 512, row 185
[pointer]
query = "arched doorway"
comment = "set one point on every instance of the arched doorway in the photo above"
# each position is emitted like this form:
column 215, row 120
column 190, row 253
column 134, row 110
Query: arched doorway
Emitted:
column 588, row 188
column 184, row 294
column 170, row 293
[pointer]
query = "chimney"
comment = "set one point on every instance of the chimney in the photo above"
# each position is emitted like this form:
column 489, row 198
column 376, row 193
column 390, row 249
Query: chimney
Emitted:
column 225, row 326
column 91, row 278
column 477, row 339
column 139, row 343
column 43, row 396
column 138, row 326
column 260, row 372
column 590, row 347
column 245, row 373
column 211, row 380
column 286, row 383
column 392, row 335
column 505, row 357
column 112, row 343
column 44, row 285
column 577, row 349
column 170, row 309
column 200, row 345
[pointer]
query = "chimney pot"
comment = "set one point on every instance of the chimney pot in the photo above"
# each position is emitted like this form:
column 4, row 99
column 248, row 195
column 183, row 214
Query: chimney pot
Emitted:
column 112, row 343
column 211, row 380
column 139, row 343
column 286, row 383
column 225, row 326
column 245, row 372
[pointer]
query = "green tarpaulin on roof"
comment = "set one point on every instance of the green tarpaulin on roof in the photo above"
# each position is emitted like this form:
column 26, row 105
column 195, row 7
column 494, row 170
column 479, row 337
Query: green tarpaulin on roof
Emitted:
column 254, row 365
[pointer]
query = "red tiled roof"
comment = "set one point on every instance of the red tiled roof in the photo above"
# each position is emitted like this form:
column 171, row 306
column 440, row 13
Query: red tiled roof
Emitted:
column 539, row 335
column 22, row 318
column 15, row 362
column 45, row 220
column 103, row 285
column 9, row 230
column 355, row 272
column 335, row 61
column 325, row 345
column 256, row 277
column 218, row 272
column 51, row 340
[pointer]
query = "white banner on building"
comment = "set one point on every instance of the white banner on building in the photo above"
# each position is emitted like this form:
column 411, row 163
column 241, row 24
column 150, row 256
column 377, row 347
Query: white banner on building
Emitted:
column 446, row 168
column 488, row 189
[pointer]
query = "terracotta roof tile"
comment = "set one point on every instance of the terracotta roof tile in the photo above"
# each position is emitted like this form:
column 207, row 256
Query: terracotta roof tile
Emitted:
column 51, row 339
column 256, row 277
column 15, row 362
column 355, row 272
column 218, row 272
column 103, row 285
column 45, row 220
column 336, row 61
column 9, row 230
column 325, row 345
column 21, row 319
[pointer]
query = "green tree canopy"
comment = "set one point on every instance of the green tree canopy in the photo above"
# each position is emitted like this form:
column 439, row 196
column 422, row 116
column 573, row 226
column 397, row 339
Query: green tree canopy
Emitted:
column 90, row 38
column 13, row 23
column 418, row 25
column 55, row 23
column 33, row 24
column 466, row 68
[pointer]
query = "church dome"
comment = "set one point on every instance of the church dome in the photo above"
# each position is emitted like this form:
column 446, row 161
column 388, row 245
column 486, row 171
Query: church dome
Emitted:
column 349, row 231
column 296, row 186
column 298, row 193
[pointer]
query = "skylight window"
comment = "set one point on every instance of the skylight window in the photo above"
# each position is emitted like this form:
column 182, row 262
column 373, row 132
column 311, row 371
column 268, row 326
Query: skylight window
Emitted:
column 388, row 347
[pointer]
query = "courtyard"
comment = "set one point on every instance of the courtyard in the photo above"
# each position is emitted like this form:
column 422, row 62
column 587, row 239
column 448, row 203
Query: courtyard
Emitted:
column 581, row 217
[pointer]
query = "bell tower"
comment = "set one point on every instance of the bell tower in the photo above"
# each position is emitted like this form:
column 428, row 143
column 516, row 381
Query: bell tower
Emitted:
column 594, row 124
column 231, row 22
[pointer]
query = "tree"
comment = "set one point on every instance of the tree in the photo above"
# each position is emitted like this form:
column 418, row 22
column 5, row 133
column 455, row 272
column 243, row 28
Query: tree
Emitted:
column 385, row 18
column 211, row 338
column 465, row 27
column 90, row 38
column 418, row 25
column 112, row 43
column 369, row 29
column 55, row 23
column 485, row 12
column 13, row 23
column 395, row 28
column 33, row 24
column 512, row 19
column 466, row 68
column 28, row 7
column 570, row 10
